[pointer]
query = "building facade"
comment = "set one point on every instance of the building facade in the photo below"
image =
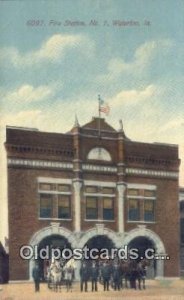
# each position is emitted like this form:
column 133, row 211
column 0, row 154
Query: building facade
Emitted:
column 91, row 188
column 181, row 207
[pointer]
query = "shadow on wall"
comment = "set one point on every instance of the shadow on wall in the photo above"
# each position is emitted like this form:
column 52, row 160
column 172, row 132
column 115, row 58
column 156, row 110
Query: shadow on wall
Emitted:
column 4, row 265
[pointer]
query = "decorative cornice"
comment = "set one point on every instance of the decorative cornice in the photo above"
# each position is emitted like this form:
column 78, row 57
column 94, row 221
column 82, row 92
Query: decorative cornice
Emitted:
column 98, row 168
column 41, row 150
column 39, row 163
column 90, row 167
column 152, row 173
column 151, row 161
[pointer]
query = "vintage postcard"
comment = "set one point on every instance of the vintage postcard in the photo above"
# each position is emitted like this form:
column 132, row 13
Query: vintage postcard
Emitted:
column 91, row 149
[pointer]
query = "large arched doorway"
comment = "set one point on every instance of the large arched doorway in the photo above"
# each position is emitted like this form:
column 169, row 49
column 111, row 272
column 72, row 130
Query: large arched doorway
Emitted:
column 145, row 248
column 142, row 231
column 55, row 231
column 50, row 243
column 101, row 242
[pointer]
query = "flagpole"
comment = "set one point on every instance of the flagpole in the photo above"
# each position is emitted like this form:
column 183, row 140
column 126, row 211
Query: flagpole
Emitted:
column 99, row 116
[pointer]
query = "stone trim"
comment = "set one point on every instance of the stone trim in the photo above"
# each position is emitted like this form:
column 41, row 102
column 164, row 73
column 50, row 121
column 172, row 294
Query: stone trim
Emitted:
column 39, row 163
column 98, row 168
column 99, row 229
column 121, row 199
column 54, row 180
column 159, row 173
column 141, row 186
column 99, row 183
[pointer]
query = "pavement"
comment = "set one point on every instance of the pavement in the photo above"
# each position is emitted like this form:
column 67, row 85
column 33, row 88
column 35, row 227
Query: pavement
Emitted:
column 155, row 290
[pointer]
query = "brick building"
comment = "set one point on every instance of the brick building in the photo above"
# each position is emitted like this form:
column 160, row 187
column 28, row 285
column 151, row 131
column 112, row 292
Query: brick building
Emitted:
column 80, row 189
column 181, row 207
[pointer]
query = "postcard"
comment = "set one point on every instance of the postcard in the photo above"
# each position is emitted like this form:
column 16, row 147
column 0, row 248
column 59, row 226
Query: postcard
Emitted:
column 92, row 148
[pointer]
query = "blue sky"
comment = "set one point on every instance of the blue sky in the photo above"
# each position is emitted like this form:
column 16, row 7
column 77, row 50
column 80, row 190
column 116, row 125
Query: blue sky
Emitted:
column 50, row 72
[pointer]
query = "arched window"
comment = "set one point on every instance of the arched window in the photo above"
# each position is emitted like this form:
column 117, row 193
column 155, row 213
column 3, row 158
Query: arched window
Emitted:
column 99, row 153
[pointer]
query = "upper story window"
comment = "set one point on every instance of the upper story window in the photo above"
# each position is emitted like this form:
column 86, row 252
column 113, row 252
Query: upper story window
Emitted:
column 108, row 209
column 141, row 204
column 64, row 210
column 99, row 202
column 46, row 186
column 54, row 201
column 63, row 188
column 46, row 206
column 99, row 153
column 91, row 208
column 133, row 209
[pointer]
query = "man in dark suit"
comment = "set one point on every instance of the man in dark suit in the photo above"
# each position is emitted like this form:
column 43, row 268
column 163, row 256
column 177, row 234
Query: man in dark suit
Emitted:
column 94, row 272
column 84, row 277
column 116, row 275
column 36, row 277
column 106, row 275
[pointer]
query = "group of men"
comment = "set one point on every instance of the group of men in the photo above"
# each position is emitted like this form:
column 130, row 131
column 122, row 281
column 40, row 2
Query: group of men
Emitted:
column 107, row 273
column 111, row 274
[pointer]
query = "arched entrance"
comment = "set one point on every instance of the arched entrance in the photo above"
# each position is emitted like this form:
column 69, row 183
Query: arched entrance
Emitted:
column 100, row 242
column 142, row 231
column 51, row 242
column 145, row 247
column 54, row 230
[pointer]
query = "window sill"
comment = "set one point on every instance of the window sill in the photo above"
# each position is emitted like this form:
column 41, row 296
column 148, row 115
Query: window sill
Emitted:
column 97, row 220
column 55, row 219
column 147, row 222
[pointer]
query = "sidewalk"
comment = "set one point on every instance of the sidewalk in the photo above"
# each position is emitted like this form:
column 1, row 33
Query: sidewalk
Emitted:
column 156, row 290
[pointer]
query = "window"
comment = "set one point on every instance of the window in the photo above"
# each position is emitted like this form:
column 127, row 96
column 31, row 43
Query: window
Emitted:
column 64, row 207
column 46, row 186
column 99, row 202
column 91, row 189
column 149, row 210
column 91, row 208
column 99, row 154
column 107, row 190
column 133, row 192
column 46, row 204
column 141, row 205
column 108, row 210
column 149, row 193
column 63, row 188
column 55, row 200
column 134, row 210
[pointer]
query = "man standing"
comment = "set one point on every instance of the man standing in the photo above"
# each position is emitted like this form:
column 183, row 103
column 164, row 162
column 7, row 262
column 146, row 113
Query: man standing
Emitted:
column 106, row 275
column 94, row 272
column 84, row 275
column 36, row 277
column 116, row 275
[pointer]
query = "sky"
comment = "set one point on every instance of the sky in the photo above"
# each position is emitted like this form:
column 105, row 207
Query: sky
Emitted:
column 56, row 57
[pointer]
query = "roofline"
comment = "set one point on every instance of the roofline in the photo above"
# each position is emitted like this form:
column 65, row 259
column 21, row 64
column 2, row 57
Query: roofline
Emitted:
column 154, row 143
column 21, row 128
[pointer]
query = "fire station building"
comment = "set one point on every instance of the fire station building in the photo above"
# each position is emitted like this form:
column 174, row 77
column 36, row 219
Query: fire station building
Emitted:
column 81, row 188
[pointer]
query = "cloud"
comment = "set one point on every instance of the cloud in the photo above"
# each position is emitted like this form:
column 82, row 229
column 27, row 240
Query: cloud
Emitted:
column 23, row 118
column 27, row 93
column 174, row 124
column 141, row 60
column 54, row 47
column 133, row 97
column 52, row 50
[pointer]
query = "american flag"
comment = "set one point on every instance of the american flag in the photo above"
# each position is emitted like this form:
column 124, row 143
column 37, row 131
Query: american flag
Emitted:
column 103, row 106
